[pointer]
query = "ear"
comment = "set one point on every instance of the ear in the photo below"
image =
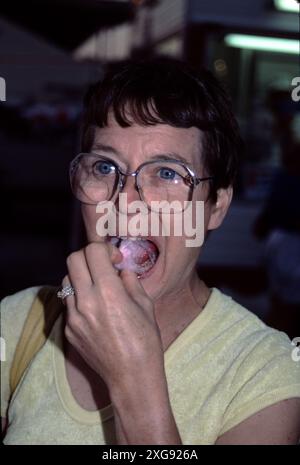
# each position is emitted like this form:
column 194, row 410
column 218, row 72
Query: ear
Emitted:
column 219, row 209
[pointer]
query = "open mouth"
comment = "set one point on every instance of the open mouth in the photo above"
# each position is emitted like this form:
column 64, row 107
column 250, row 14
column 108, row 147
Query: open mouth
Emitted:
column 139, row 254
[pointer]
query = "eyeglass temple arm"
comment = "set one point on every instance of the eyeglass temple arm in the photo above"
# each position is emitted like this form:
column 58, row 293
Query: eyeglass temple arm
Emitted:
column 196, row 181
column 207, row 178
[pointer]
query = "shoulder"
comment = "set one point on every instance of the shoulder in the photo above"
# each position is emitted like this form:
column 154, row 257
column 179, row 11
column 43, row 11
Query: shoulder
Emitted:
column 262, row 368
column 240, row 324
column 17, row 305
column 249, row 337
column 13, row 311
column 20, row 298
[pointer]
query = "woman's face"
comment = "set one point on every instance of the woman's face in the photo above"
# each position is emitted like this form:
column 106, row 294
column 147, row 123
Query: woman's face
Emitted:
column 132, row 146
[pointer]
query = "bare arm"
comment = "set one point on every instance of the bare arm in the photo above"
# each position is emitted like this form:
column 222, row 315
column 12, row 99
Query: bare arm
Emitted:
column 110, row 310
column 143, row 413
column 278, row 424
column 3, row 426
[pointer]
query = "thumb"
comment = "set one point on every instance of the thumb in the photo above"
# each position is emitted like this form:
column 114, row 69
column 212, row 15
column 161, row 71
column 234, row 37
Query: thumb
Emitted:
column 135, row 289
column 114, row 254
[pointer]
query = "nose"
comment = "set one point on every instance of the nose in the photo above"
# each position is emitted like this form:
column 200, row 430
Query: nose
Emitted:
column 130, row 189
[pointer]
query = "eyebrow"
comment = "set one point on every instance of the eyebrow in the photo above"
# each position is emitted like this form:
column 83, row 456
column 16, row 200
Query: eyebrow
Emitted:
column 170, row 156
column 159, row 156
column 105, row 148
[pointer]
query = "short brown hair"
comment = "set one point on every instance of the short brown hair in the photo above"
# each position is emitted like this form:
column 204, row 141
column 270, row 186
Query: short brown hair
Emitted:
column 168, row 91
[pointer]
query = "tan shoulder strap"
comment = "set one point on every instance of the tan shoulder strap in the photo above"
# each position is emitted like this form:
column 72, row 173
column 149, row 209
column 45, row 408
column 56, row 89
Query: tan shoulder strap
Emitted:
column 44, row 311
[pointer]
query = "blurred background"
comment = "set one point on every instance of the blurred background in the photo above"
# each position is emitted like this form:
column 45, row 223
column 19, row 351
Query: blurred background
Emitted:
column 50, row 51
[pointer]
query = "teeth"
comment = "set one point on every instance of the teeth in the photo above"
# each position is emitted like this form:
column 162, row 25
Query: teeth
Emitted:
column 116, row 240
column 123, row 238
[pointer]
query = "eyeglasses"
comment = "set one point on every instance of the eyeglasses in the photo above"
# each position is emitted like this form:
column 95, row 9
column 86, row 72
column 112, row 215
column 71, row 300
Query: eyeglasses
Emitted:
column 96, row 179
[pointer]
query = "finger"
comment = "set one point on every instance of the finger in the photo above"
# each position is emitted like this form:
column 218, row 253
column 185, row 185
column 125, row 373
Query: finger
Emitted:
column 78, row 270
column 115, row 254
column 134, row 287
column 100, row 258
column 71, row 310
column 69, row 301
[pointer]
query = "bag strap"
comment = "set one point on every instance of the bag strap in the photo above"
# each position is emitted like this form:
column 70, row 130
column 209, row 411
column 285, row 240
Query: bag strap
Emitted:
column 42, row 315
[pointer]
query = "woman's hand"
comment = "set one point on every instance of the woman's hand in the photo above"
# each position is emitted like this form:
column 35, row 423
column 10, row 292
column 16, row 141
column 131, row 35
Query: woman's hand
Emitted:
column 110, row 319
column 111, row 323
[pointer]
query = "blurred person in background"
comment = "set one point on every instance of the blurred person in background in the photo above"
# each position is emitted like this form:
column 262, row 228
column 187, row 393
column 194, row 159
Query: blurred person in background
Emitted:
column 279, row 222
column 141, row 351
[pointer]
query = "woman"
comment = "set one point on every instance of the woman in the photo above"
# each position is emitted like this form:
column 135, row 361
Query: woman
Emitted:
column 145, row 352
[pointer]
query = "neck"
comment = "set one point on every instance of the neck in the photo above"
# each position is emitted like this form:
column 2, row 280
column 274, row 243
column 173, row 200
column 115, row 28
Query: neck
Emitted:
column 177, row 310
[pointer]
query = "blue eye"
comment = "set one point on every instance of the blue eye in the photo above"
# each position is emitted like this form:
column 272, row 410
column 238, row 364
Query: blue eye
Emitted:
column 104, row 168
column 168, row 174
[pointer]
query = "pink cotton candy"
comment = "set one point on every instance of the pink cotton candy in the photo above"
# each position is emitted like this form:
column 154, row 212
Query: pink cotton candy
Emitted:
column 138, row 255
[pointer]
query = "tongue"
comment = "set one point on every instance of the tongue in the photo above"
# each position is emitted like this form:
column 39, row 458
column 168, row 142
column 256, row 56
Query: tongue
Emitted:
column 138, row 256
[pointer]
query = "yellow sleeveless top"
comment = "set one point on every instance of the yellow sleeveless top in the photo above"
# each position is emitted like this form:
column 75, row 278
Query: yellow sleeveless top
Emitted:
column 224, row 367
